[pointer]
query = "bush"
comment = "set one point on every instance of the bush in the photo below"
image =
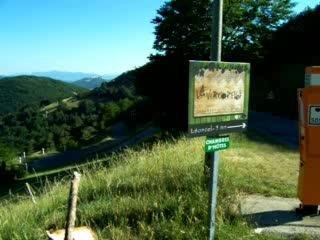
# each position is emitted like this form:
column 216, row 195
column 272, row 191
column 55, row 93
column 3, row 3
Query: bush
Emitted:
column 12, row 172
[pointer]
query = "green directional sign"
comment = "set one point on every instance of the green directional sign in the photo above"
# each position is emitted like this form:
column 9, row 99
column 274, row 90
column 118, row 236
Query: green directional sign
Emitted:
column 214, row 144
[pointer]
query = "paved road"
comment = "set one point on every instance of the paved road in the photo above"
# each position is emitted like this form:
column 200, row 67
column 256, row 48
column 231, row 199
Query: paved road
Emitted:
column 283, row 130
column 80, row 156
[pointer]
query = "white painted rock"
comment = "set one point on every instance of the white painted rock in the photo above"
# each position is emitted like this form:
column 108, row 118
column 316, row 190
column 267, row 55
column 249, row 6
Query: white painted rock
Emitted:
column 79, row 233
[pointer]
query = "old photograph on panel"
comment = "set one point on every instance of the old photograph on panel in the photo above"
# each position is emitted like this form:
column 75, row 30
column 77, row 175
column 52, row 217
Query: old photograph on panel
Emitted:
column 218, row 92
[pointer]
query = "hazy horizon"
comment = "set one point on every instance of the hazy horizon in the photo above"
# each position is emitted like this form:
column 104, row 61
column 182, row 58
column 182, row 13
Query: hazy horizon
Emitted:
column 66, row 76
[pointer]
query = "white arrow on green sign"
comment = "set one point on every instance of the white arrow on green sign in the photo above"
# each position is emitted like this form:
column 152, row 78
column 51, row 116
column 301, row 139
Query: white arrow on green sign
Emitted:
column 214, row 144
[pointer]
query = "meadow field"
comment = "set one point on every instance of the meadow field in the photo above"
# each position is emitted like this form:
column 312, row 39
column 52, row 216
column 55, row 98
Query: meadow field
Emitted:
column 158, row 191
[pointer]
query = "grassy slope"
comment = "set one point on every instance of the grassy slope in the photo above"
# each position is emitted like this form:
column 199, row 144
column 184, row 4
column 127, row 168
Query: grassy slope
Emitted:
column 19, row 91
column 70, row 102
column 158, row 193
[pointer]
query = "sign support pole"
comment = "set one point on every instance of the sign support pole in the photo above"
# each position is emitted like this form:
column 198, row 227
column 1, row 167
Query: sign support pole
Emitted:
column 217, row 11
column 217, row 19
column 213, row 191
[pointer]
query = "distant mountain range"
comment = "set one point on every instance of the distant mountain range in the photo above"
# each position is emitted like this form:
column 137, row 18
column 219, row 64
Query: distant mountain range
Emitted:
column 90, row 83
column 18, row 91
column 72, row 76
column 65, row 76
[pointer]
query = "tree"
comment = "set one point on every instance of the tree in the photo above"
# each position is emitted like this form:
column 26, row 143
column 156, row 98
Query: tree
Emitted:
column 110, row 112
column 30, row 147
column 87, row 133
column 7, row 154
column 183, row 27
column 9, row 169
column 87, row 106
column 290, row 50
column 125, row 104
column 77, row 121
column 294, row 41
column 49, row 143
column 44, row 103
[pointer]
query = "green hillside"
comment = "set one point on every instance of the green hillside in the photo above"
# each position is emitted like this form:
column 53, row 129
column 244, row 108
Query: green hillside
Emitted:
column 16, row 92
column 90, row 82
column 72, row 123
column 158, row 193
column 121, row 87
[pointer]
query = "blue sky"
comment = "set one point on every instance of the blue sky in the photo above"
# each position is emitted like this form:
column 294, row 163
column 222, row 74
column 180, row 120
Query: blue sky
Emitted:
column 96, row 36
column 302, row 4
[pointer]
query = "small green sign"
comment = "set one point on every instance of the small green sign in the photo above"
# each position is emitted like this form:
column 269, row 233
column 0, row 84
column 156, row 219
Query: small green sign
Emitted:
column 214, row 144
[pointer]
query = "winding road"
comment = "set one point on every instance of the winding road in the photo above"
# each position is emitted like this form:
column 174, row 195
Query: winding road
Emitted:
column 281, row 130
column 84, row 155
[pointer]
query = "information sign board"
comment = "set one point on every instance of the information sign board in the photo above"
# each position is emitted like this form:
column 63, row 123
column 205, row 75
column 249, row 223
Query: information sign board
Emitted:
column 218, row 97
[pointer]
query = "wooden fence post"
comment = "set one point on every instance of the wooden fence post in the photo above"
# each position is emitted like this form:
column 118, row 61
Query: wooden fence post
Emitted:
column 72, row 206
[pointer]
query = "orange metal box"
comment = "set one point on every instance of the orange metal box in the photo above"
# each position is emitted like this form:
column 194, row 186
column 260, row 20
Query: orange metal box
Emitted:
column 309, row 129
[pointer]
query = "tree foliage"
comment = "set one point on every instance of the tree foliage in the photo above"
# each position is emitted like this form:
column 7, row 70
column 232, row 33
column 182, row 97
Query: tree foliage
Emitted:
column 183, row 32
column 7, row 154
column 31, row 129
column 291, row 48
column 183, row 27
column 295, row 41
column 9, row 168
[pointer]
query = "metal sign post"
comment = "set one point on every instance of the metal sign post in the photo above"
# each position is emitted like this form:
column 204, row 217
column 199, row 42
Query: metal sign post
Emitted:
column 213, row 157
column 217, row 18
column 213, row 190
column 218, row 105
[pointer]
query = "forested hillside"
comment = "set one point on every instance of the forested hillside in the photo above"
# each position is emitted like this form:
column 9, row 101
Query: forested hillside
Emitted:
column 19, row 91
column 31, row 129
column 74, row 122
column 120, row 87
column 90, row 82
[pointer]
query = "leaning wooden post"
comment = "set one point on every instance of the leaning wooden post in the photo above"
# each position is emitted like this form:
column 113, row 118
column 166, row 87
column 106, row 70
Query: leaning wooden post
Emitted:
column 30, row 192
column 72, row 206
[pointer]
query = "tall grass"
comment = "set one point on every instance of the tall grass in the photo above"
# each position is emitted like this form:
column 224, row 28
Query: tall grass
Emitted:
column 159, row 192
